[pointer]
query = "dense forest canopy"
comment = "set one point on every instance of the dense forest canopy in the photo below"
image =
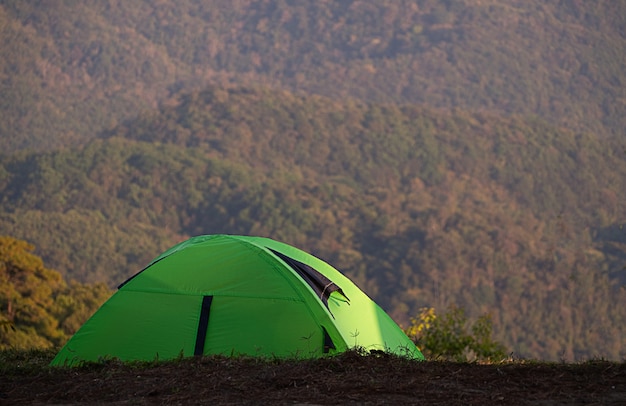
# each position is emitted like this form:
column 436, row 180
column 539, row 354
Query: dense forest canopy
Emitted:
column 441, row 153
column 71, row 69
column 508, row 216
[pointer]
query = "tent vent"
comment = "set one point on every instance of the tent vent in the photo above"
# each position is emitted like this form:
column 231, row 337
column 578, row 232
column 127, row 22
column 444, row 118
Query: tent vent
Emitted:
column 320, row 284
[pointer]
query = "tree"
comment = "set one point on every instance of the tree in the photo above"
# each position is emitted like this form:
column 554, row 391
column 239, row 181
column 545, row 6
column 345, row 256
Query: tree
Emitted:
column 32, row 299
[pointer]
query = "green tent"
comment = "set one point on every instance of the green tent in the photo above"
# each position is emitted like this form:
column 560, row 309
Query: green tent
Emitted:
column 235, row 295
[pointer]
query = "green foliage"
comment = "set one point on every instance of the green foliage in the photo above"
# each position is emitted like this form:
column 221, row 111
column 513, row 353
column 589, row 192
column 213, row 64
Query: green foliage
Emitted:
column 451, row 336
column 507, row 216
column 37, row 309
column 73, row 70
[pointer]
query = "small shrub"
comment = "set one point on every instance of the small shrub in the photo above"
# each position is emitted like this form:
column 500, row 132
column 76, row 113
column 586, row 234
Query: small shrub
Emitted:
column 451, row 337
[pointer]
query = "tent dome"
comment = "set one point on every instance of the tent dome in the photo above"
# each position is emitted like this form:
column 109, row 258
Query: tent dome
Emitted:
column 235, row 295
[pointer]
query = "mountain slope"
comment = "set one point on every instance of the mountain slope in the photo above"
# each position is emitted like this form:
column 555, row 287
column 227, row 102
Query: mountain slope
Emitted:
column 70, row 70
column 509, row 216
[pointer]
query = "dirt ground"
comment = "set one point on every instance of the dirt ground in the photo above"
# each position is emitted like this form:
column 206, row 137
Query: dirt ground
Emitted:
column 346, row 379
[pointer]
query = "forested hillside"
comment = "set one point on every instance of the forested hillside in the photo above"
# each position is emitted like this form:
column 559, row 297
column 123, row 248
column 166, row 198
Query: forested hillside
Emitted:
column 510, row 216
column 71, row 69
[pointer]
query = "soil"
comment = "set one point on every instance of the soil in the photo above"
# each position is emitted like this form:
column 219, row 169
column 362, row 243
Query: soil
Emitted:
column 346, row 379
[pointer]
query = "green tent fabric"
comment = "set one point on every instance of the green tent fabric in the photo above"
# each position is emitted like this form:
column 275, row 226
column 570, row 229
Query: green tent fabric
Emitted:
column 235, row 295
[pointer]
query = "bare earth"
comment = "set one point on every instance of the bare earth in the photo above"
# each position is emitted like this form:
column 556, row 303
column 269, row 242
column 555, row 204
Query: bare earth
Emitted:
column 346, row 379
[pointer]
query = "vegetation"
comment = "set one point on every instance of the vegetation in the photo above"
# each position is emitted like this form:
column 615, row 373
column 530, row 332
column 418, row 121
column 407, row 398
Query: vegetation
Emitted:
column 446, row 337
column 421, row 208
column 71, row 70
column 441, row 153
column 38, row 310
